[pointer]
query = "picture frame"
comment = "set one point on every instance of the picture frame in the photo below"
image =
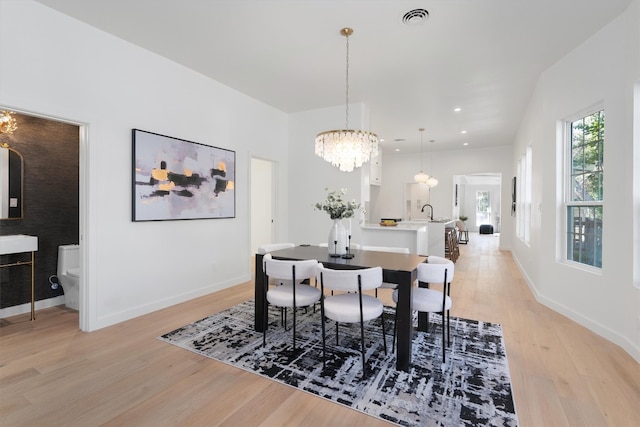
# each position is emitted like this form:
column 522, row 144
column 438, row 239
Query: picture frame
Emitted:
column 176, row 179
column 513, row 196
column 456, row 195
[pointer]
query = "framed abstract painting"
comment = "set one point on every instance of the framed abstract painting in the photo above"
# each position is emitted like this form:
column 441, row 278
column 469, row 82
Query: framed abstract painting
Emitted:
column 176, row 179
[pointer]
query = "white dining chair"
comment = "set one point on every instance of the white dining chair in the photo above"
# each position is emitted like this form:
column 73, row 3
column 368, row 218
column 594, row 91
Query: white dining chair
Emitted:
column 426, row 300
column 353, row 306
column 271, row 247
column 291, row 293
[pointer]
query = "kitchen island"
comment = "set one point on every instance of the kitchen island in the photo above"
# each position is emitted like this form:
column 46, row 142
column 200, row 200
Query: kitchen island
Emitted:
column 421, row 237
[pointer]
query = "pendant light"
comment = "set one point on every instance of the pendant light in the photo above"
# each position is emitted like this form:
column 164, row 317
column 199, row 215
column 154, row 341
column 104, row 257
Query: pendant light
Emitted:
column 421, row 176
column 347, row 148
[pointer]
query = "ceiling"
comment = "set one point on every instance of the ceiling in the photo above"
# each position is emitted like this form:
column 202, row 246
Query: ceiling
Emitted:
column 483, row 56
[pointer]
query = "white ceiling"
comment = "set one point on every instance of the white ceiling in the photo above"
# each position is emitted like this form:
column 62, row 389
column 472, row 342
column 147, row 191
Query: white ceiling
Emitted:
column 481, row 55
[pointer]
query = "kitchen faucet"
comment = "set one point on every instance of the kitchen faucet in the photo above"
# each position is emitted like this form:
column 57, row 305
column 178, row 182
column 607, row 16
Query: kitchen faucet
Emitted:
column 424, row 206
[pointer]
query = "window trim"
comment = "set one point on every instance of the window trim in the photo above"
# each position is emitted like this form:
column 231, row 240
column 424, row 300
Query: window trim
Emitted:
column 565, row 201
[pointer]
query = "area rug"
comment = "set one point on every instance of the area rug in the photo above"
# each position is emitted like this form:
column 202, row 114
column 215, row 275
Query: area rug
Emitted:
column 473, row 387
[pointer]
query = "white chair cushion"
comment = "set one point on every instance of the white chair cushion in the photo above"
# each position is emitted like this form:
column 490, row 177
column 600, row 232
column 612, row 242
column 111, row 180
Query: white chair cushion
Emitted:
column 345, row 308
column 282, row 296
column 433, row 270
column 426, row 300
column 347, row 280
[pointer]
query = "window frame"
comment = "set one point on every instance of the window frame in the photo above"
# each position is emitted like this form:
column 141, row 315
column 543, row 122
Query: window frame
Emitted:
column 567, row 199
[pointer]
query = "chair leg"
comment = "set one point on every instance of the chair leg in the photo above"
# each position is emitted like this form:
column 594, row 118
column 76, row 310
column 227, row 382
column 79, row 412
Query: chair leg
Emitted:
column 395, row 325
column 336, row 334
column 448, row 328
column 294, row 326
column 264, row 336
column 265, row 306
column 443, row 339
column 384, row 335
column 364, row 365
column 324, row 346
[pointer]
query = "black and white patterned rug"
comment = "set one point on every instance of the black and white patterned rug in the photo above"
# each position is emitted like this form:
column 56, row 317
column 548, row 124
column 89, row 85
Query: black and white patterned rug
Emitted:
column 473, row 388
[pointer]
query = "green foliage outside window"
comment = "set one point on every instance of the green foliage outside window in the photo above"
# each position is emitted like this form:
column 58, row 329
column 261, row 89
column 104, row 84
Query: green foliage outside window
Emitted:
column 587, row 157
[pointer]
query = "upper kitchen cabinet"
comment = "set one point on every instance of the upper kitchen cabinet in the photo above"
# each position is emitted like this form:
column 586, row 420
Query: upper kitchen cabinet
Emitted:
column 375, row 170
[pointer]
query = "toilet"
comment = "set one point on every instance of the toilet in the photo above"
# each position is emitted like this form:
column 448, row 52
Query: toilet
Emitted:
column 69, row 274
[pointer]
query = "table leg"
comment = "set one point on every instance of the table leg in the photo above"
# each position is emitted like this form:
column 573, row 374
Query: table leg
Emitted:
column 33, row 303
column 260, row 313
column 404, row 328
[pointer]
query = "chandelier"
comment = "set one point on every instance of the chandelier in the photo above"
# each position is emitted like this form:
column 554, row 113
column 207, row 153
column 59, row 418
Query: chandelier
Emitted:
column 422, row 177
column 347, row 148
column 7, row 123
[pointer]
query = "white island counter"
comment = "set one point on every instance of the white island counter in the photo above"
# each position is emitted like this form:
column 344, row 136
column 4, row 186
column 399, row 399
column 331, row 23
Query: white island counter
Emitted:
column 421, row 237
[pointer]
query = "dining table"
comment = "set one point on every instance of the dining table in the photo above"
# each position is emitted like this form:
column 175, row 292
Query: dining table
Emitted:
column 397, row 268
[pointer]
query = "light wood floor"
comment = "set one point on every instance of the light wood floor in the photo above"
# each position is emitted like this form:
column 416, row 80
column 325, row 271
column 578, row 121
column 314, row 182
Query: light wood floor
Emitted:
column 51, row 374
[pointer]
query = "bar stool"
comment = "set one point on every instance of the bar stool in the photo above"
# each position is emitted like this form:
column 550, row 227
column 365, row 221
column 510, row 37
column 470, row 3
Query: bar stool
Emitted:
column 463, row 233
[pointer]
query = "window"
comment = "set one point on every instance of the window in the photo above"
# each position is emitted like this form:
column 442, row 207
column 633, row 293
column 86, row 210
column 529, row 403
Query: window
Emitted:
column 584, row 195
column 483, row 208
column 523, row 199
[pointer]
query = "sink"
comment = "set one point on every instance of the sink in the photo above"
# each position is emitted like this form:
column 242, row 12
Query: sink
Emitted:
column 18, row 243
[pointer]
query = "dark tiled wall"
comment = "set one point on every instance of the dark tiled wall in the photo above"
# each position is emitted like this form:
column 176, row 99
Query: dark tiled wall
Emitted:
column 51, row 204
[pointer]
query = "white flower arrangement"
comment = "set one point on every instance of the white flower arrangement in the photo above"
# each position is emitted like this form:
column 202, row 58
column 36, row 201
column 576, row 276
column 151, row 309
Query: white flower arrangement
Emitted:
column 336, row 206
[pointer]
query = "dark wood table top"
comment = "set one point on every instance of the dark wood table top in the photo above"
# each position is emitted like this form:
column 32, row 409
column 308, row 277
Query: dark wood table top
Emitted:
column 390, row 261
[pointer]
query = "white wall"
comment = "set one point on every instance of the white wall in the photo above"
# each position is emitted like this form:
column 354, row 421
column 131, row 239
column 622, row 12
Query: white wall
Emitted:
column 399, row 169
column 309, row 175
column 603, row 69
column 57, row 66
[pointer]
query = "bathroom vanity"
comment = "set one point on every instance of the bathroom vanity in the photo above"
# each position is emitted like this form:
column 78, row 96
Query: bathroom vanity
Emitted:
column 422, row 237
column 16, row 244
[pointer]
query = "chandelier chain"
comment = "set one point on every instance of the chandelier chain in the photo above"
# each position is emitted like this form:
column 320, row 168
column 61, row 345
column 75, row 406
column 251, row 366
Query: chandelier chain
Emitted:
column 421, row 150
column 347, row 86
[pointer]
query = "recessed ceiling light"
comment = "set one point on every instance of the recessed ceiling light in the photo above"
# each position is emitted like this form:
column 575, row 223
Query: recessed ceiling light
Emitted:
column 466, row 143
column 463, row 131
column 381, row 140
column 457, row 109
column 397, row 149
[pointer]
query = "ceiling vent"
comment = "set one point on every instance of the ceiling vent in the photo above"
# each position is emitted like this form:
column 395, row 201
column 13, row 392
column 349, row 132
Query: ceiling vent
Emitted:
column 415, row 17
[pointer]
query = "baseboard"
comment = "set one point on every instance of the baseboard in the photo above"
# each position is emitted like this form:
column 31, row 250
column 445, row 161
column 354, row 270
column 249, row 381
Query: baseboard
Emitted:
column 26, row 308
column 134, row 312
column 605, row 332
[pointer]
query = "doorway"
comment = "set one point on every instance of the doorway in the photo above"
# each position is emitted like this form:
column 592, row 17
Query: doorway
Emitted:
column 466, row 189
column 262, row 202
column 52, row 206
